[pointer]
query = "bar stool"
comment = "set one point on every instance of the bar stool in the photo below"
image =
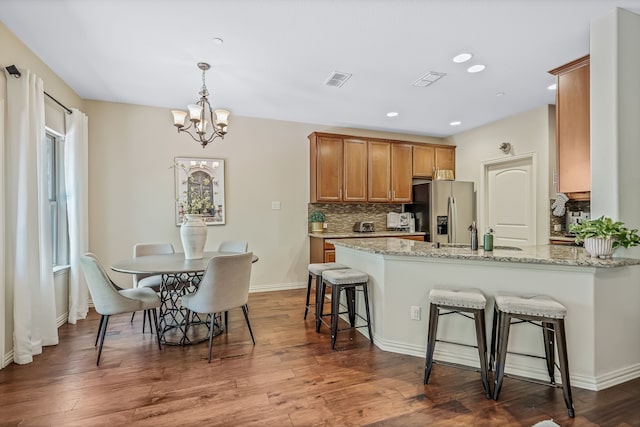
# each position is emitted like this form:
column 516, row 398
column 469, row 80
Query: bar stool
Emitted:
column 348, row 280
column 462, row 302
column 315, row 271
column 529, row 309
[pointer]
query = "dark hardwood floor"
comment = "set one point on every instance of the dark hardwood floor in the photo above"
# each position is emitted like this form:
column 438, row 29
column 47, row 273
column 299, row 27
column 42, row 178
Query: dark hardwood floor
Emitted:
column 290, row 378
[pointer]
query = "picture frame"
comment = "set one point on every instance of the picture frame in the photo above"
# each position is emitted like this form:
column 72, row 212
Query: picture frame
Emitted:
column 199, row 186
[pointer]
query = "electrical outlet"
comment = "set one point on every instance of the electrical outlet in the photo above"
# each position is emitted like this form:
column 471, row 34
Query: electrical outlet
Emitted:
column 557, row 227
column 415, row 312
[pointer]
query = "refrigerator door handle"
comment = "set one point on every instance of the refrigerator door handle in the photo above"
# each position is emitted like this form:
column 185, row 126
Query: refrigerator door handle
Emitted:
column 449, row 218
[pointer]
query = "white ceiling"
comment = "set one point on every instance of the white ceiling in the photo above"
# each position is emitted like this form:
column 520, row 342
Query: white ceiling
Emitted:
column 277, row 55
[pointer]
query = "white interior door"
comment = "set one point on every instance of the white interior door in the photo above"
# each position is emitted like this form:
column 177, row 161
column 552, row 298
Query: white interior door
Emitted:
column 510, row 202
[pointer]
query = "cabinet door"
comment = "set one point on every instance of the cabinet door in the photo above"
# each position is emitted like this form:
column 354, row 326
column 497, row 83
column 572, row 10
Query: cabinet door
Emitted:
column 573, row 131
column 445, row 158
column 329, row 158
column 401, row 173
column 355, row 170
column 423, row 161
column 379, row 171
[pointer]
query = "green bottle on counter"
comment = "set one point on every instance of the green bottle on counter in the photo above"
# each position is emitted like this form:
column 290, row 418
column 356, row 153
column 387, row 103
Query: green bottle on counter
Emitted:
column 488, row 240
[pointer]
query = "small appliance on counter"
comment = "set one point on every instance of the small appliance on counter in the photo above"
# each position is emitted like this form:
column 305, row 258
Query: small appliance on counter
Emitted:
column 363, row 227
column 576, row 217
column 400, row 221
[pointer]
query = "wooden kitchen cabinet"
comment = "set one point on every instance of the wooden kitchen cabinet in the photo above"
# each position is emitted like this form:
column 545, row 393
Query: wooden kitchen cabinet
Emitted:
column 389, row 171
column 338, row 169
column 401, row 173
column 379, row 171
column 445, row 158
column 572, row 128
column 428, row 158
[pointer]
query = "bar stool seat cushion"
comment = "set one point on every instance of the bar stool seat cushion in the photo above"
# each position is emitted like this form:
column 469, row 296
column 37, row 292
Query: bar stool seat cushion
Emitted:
column 466, row 298
column 345, row 276
column 318, row 268
column 532, row 305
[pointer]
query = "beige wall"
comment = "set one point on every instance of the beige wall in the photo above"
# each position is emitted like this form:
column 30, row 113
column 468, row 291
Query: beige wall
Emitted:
column 131, row 150
column 529, row 132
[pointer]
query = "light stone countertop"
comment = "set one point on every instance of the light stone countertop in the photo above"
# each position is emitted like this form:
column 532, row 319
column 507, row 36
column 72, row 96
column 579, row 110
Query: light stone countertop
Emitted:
column 353, row 234
column 542, row 254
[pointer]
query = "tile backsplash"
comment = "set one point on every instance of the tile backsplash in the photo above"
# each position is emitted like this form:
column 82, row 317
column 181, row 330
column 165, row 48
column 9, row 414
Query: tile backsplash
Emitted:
column 340, row 217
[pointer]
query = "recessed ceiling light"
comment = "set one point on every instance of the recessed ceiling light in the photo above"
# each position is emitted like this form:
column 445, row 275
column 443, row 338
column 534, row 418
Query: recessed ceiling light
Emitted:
column 463, row 57
column 392, row 114
column 476, row 68
column 456, row 123
column 500, row 93
column 217, row 40
column 552, row 87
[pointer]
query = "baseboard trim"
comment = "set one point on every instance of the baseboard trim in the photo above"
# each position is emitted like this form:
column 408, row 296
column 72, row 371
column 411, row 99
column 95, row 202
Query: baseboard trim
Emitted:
column 62, row 319
column 616, row 377
column 8, row 359
column 277, row 287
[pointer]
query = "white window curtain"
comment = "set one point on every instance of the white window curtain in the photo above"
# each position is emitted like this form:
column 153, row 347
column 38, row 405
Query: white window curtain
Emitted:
column 76, row 161
column 29, row 272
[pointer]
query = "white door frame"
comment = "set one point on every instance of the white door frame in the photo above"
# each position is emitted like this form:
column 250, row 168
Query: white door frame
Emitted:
column 483, row 196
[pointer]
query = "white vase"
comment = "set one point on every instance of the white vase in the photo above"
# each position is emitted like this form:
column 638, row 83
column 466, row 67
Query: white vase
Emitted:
column 193, row 234
column 598, row 247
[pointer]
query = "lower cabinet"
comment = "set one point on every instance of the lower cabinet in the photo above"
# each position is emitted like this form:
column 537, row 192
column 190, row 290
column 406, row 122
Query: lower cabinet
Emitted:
column 322, row 251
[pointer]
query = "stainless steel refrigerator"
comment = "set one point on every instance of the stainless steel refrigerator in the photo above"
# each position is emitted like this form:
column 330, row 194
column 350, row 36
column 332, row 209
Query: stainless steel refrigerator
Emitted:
column 444, row 210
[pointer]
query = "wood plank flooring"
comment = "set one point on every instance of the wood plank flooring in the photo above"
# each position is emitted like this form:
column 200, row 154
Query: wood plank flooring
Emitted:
column 290, row 378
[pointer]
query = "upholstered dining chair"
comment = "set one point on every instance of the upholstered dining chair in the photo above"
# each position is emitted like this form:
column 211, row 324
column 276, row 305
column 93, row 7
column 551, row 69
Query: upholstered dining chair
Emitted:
column 232, row 246
column 109, row 299
column 152, row 281
column 224, row 286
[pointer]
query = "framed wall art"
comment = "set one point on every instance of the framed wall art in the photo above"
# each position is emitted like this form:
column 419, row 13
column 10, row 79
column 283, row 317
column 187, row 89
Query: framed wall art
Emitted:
column 200, row 189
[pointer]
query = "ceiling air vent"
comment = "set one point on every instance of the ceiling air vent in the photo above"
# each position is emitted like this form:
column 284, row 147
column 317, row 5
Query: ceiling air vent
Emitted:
column 337, row 79
column 427, row 79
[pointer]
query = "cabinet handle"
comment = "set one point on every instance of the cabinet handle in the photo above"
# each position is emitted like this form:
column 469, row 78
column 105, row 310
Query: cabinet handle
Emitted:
column 340, row 194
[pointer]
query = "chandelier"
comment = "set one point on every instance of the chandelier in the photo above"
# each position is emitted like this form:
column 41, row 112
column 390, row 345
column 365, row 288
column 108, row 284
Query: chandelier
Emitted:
column 200, row 115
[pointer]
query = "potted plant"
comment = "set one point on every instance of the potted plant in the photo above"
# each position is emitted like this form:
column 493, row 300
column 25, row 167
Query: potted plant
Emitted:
column 316, row 219
column 602, row 236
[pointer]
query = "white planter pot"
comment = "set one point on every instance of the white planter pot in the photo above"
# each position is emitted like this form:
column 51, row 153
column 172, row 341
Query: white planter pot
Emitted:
column 193, row 234
column 598, row 247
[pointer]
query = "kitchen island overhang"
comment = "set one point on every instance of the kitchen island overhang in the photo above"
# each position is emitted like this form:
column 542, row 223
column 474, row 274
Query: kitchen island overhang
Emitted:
column 601, row 296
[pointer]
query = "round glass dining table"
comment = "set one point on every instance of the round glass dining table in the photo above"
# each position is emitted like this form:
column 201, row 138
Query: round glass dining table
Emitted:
column 180, row 276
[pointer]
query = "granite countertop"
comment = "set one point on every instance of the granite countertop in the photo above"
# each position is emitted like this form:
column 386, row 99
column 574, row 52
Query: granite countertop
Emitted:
column 542, row 254
column 353, row 234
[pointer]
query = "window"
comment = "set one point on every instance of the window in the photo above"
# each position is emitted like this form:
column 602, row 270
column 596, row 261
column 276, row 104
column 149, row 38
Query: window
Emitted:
column 57, row 204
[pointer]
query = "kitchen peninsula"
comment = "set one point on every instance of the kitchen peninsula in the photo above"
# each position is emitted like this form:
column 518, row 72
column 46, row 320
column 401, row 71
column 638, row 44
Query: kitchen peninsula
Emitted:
column 601, row 297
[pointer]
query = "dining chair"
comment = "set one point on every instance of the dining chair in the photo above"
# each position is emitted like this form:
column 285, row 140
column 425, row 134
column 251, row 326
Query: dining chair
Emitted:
column 232, row 246
column 152, row 281
column 109, row 299
column 224, row 286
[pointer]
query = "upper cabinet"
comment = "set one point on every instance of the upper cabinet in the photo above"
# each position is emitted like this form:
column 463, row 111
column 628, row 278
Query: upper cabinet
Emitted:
column 338, row 169
column 572, row 128
column 389, row 172
column 428, row 158
column 351, row 169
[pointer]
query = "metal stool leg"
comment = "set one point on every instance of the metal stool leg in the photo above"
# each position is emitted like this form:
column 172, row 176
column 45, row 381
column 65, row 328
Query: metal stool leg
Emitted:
column 431, row 340
column 366, row 308
column 335, row 310
column 494, row 331
column 548, row 336
column 564, row 366
column 504, row 322
column 478, row 317
column 320, row 302
column 350, row 292
column 306, row 307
